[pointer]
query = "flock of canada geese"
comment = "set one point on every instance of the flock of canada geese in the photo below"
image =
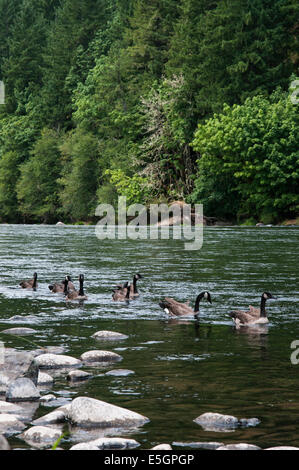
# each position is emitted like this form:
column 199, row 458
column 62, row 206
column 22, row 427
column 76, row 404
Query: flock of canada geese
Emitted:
column 128, row 291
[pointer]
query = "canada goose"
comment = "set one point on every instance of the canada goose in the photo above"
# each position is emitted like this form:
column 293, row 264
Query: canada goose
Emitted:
column 59, row 287
column 122, row 293
column 72, row 294
column 254, row 315
column 178, row 309
column 31, row 284
column 133, row 287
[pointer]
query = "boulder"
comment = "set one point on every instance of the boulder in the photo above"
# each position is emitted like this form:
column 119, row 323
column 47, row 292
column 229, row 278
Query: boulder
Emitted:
column 199, row 445
column 19, row 331
column 22, row 389
column 109, row 336
column 55, row 417
column 100, row 356
column 162, row 447
column 78, row 376
column 89, row 412
column 10, row 424
column 107, row 443
column 44, row 379
column 16, row 364
column 283, row 448
column 217, row 422
column 56, row 361
column 4, row 444
column 120, row 372
column 41, row 436
column 239, row 447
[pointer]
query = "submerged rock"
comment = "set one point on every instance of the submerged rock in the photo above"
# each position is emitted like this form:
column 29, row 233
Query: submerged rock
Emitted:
column 78, row 376
column 44, row 379
column 217, row 422
column 55, row 417
column 4, row 444
column 107, row 443
column 16, row 364
column 19, row 331
column 239, row 447
column 10, row 424
column 109, row 336
column 89, row 412
column 162, row 447
column 100, row 356
column 199, row 445
column 41, row 436
column 56, row 361
column 22, row 389
column 283, row 448
column 120, row 372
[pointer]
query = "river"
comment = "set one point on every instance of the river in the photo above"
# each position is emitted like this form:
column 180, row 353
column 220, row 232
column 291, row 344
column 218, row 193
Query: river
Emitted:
column 183, row 368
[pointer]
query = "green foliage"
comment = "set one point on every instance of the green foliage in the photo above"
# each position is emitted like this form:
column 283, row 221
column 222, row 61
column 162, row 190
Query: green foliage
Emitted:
column 37, row 187
column 249, row 160
column 133, row 188
column 80, row 175
column 104, row 97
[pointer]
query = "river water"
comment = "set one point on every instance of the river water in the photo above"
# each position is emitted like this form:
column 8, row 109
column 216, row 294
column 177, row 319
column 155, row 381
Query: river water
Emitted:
column 183, row 368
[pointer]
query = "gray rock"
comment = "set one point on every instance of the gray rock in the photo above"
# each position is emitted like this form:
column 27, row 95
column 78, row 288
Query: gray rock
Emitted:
column 88, row 412
column 55, row 417
column 107, row 443
column 283, row 448
column 120, row 372
column 56, row 361
column 239, row 447
column 78, row 376
column 84, row 446
column 10, row 424
column 218, row 423
column 162, row 447
column 4, row 444
column 44, row 379
column 100, row 356
column 47, row 398
column 199, row 445
column 19, row 331
column 22, row 389
column 10, row 408
column 16, row 364
column 41, row 436
column 109, row 336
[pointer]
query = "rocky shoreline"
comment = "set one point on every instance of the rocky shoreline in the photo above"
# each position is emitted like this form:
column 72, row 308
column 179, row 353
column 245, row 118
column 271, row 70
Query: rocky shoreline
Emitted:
column 27, row 376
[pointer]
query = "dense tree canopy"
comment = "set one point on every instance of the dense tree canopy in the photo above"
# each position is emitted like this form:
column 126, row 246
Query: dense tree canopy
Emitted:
column 159, row 100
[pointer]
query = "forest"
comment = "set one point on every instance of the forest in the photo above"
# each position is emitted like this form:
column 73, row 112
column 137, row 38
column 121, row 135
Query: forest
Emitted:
column 158, row 101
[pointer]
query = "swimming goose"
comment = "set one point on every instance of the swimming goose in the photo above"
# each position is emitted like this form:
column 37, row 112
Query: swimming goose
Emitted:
column 59, row 287
column 179, row 309
column 122, row 293
column 72, row 294
column 31, row 284
column 254, row 315
column 133, row 287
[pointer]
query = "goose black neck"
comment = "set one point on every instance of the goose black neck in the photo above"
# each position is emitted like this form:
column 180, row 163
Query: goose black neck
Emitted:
column 197, row 302
column 65, row 290
column 135, row 291
column 81, row 291
column 263, row 305
column 34, row 282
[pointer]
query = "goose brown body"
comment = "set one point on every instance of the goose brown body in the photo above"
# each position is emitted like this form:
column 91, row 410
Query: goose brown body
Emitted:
column 30, row 284
column 180, row 309
column 254, row 315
